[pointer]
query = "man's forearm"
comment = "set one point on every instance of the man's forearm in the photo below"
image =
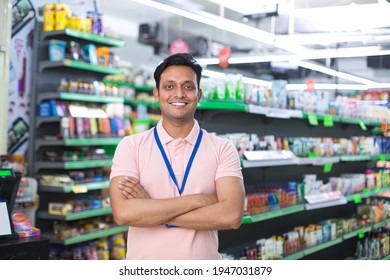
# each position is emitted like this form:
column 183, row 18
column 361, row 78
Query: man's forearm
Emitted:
column 217, row 216
column 153, row 212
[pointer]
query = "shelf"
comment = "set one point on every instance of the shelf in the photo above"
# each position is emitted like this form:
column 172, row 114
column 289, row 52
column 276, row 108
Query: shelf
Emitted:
column 79, row 142
column 318, row 160
column 78, row 65
column 72, row 96
column 140, row 102
column 91, row 38
column 335, row 241
column 75, row 216
column 73, row 164
column 51, row 119
column 365, row 194
column 274, row 112
column 215, row 105
column 78, row 188
column 273, row 214
column 268, row 163
column 355, row 157
column 129, row 85
column 322, row 246
column 356, row 232
column 295, row 256
column 357, row 121
column 381, row 224
column 90, row 236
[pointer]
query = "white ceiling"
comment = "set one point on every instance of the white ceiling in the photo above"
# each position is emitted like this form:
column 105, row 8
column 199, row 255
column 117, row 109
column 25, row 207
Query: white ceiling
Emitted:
column 307, row 22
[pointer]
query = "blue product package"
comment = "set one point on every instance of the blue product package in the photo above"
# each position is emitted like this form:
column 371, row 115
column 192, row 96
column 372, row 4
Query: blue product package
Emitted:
column 44, row 109
column 90, row 53
column 57, row 50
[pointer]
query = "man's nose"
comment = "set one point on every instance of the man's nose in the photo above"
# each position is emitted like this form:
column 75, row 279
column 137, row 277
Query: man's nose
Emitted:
column 179, row 92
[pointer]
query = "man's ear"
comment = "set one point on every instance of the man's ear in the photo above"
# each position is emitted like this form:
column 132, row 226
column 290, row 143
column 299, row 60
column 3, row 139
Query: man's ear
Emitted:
column 200, row 94
column 156, row 94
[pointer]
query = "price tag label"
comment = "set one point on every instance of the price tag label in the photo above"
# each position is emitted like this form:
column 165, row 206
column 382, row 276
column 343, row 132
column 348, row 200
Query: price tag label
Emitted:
column 328, row 121
column 357, row 199
column 376, row 189
column 79, row 189
column 382, row 158
column 313, row 120
column 361, row 234
column 313, row 155
column 366, row 190
column 328, row 167
column 362, row 125
column 278, row 113
column 384, row 127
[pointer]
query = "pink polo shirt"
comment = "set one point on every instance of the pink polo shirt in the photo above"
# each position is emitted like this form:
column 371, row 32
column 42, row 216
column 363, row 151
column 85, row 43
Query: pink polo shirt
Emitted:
column 139, row 156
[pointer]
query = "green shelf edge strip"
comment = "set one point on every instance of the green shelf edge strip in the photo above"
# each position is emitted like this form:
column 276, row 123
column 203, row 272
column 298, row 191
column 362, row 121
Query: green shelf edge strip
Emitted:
column 321, row 117
column 348, row 120
column 88, row 214
column 223, row 106
column 129, row 85
column 273, row 214
column 93, row 235
column 354, row 233
column 136, row 103
column 320, row 247
column 87, row 164
column 92, row 141
column 90, row 98
column 386, row 257
column 90, row 67
column 295, row 256
column 108, row 41
column 355, row 157
column 335, row 241
column 381, row 224
column 88, row 186
column 95, row 38
column 367, row 194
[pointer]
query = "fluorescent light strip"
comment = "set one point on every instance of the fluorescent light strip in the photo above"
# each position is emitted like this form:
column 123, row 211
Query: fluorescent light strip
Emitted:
column 246, row 80
column 327, row 87
column 251, row 33
column 331, row 38
column 331, row 72
column 225, row 24
column 320, row 54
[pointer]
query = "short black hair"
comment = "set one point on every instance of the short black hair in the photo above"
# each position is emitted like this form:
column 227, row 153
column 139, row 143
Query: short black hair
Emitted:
column 183, row 59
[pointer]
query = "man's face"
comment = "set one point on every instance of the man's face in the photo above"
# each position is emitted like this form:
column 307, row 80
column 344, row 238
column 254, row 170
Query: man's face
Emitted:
column 178, row 93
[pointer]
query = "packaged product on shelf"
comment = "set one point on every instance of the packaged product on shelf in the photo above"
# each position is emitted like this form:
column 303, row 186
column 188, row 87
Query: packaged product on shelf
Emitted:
column 75, row 51
column 63, row 14
column 57, row 50
column 90, row 54
column 49, row 17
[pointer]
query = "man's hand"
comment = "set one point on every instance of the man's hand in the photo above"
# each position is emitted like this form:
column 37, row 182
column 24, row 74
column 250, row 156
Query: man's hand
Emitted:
column 131, row 188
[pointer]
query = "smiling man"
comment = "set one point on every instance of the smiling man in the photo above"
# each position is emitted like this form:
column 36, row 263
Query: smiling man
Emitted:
column 176, row 185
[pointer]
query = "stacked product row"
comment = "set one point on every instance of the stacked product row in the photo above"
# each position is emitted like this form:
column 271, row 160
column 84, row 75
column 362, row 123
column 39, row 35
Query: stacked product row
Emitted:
column 304, row 237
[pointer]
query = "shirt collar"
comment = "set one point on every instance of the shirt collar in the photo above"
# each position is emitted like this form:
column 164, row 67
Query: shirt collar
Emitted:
column 166, row 138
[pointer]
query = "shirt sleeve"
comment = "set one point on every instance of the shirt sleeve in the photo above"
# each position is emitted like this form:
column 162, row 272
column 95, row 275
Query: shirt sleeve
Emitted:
column 229, row 161
column 124, row 162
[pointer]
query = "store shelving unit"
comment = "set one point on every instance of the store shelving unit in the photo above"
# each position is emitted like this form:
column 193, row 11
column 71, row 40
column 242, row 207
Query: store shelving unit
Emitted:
column 224, row 117
column 291, row 123
column 47, row 77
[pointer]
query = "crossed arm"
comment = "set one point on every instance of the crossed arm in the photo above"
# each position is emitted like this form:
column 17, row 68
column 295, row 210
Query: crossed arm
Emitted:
column 133, row 206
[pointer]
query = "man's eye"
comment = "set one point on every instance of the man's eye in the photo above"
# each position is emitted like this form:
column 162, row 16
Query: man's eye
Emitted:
column 189, row 87
column 169, row 87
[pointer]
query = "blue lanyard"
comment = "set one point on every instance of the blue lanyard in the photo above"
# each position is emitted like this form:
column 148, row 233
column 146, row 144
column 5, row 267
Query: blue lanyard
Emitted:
column 189, row 164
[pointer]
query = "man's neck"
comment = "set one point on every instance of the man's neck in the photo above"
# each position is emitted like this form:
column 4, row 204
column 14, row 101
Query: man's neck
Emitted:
column 178, row 129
